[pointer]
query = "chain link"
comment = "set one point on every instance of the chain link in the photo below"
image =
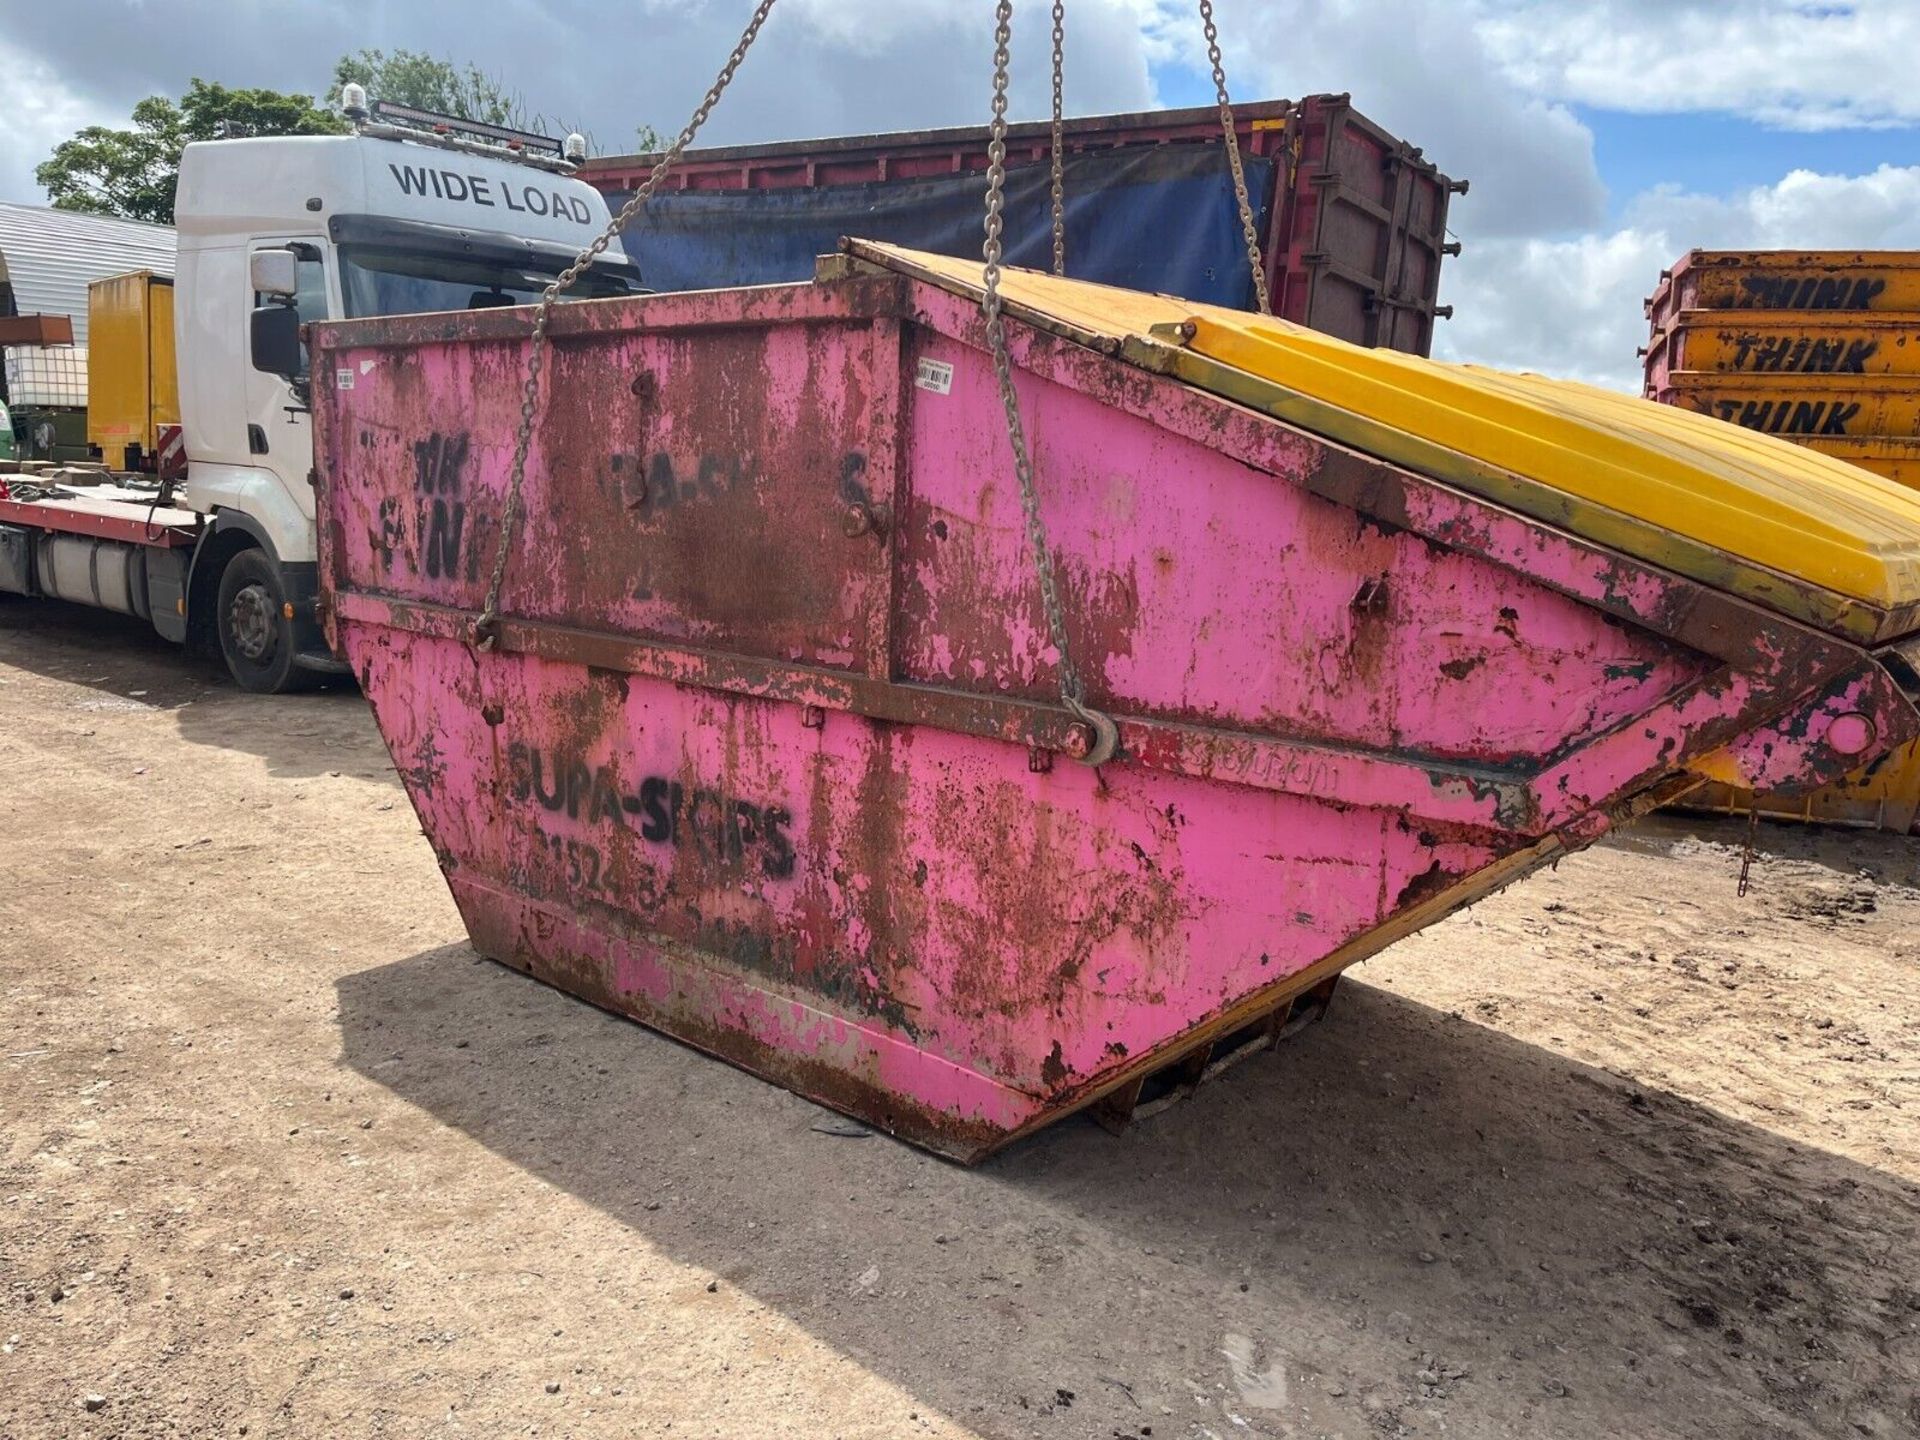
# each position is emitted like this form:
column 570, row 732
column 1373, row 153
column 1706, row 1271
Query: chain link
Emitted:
column 1059, row 140
column 486, row 627
column 1247, row 229
column 1103, row 738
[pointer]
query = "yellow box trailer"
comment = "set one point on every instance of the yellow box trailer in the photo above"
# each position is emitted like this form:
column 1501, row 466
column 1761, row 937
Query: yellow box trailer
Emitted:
column 132, row 387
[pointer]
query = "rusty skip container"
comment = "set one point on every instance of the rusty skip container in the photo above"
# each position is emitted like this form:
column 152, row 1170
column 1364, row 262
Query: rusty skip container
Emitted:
column 1823, row 406
column 770, row 756
column 1894, row 458
column 1885, row 795
column 1773, row 342
column 1839, row 280
column 1829, row 358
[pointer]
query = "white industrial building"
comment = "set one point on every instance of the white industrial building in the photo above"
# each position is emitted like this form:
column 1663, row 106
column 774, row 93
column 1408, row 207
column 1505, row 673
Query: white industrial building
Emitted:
column 48, row 258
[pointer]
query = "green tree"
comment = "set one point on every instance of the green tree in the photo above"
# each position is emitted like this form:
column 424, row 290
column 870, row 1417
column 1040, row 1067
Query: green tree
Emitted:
column 134, row 172
column 407, row 77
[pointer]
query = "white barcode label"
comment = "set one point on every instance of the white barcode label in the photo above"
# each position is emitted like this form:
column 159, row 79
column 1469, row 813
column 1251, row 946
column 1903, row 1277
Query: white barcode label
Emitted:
column 934, row 375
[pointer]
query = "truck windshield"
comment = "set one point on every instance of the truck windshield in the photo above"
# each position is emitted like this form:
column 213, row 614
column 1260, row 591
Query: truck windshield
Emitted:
column 378, row 281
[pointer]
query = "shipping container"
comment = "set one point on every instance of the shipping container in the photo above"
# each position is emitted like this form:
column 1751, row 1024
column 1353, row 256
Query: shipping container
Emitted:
column 1785, row 342
column 1869, row 280
column 1352, row 221
column 132, row 389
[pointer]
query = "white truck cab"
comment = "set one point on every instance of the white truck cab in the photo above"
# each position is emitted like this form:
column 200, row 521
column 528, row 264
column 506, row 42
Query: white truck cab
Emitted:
column 393, row 219
column 412, row 212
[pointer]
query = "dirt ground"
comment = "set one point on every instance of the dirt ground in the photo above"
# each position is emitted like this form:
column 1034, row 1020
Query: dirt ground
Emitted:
column 1615, row 1154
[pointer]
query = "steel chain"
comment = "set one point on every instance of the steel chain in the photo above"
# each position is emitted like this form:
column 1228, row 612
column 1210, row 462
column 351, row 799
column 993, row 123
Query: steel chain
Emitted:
column 1103, row 738
column 1247, row 229
column 486, row 626
column 1059, row 139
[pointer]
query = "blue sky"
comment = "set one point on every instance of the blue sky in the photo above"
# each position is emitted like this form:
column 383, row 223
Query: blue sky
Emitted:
column 1603, row 138
column 1711, row 152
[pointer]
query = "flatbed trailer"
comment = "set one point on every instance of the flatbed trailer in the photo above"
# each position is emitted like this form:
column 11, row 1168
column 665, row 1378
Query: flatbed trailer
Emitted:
column 50, row 544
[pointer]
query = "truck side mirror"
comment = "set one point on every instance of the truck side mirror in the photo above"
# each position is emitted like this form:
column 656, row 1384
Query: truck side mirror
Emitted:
column 274, row 272
column 274, row 337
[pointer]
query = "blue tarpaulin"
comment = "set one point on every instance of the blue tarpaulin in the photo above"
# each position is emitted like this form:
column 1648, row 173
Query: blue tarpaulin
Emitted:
column 1161, row 218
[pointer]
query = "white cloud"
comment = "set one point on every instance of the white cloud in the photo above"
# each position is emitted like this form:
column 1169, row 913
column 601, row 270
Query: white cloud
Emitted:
column 1563, row 307
column 1782, row 62
column 41, row 111
column 1876, row 211
column 836, row 67
column 1572, row 306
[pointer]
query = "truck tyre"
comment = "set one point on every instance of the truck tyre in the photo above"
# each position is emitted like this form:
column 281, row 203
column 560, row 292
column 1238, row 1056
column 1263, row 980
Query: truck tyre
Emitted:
column 256, row 634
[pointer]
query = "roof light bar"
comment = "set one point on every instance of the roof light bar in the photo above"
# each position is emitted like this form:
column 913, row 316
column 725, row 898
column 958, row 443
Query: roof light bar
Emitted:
column 394, row 114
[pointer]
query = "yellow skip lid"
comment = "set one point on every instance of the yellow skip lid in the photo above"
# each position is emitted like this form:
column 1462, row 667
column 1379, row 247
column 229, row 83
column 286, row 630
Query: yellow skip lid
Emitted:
column 1747, row 494
column 1683, row 480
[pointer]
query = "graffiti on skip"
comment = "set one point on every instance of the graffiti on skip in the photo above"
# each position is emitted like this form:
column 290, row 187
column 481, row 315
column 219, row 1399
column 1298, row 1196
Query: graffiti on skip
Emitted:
column 1802, row 355
column 658, row 481
column 1811, row 292
column 702, row 819
column 1789, row 417
column 440, row 504
column 434, row 517
column 655, row 483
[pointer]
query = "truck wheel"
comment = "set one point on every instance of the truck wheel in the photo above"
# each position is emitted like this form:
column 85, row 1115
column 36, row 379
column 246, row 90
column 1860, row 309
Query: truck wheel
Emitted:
column 256, row 636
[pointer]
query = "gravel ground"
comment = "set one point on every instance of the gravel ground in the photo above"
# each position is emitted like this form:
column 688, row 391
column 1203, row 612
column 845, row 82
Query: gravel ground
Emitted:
column 1615, row 1154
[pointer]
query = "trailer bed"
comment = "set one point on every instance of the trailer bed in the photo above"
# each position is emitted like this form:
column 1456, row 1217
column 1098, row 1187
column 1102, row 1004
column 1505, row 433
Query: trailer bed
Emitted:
column 119, row 514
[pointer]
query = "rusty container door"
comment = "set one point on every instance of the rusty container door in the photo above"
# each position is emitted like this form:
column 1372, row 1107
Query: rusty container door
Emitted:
column 769, row 754
column 1360, row 231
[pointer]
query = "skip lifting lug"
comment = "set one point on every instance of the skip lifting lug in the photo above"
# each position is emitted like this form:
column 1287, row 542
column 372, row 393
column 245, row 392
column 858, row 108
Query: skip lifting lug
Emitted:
column 866, row 518
column 1093, row 739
